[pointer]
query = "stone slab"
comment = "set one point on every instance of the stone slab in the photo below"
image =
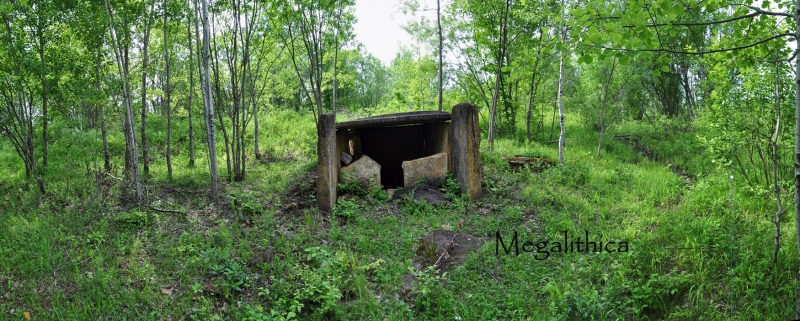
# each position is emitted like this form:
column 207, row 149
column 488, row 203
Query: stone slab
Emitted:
column 417, row 117
column 430, row 170
column 365, row 170
column 327, row 162
column 465, row 150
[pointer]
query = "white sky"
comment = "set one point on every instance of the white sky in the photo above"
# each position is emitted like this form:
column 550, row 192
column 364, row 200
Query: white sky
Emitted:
column 379, row 27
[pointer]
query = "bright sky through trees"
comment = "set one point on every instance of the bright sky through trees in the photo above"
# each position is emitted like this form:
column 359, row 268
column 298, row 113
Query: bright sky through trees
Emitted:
column 379, row 27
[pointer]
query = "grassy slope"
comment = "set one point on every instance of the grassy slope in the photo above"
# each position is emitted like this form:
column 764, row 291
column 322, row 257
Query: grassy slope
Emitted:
column 263, row 252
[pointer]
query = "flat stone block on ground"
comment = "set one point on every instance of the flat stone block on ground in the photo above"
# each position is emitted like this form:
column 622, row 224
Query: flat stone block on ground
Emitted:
column 431, row 169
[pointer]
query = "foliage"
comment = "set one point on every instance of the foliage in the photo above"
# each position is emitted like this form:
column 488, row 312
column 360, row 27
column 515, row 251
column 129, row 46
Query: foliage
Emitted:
column 135, row 218
column 693, row 101
column 231, row 276
column 347, row 209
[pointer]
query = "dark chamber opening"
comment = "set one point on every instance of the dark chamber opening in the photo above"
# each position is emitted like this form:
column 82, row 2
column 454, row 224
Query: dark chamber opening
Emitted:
column 390, row 147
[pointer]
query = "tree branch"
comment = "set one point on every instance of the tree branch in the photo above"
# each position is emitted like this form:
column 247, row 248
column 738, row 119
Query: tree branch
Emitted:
column 757, row 12
column 794, row 55
column 770, row 13
column 683, row 52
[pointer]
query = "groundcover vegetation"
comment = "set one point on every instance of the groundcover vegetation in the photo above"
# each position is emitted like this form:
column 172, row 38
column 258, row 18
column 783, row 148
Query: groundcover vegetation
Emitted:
column 698, row 243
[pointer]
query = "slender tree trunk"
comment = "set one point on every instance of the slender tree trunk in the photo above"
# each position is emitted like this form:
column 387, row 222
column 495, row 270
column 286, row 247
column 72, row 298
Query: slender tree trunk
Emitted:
column 335, row 61
column 532, row 89
column 32, row 150
column 774, row 144
column 797, row 148
column 129, row 153
column 498, row 75
column 190, row 105
column 121, row 55
column 439, row 24
column 209, row 110
column 104, row 133
column 103, row 129
column 145, row 58
column 687, row 89
column 601, row 124
column 168, row 93
column 561, row 109
column 217, row 103
column 561, row 92
column 255, row 132
column 45, row 118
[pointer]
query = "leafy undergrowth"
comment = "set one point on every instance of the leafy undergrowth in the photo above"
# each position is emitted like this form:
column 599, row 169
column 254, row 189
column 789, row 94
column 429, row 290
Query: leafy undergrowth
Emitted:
column 698, row 245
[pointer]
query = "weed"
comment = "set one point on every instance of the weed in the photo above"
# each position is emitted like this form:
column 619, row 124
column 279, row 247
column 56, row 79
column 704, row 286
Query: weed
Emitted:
column 429, row 286
column 230, row 275
column 317, row 282
column 414, row 207
column 377, row 195
column 347, row 208
column 451, row 188
column 349, row 185
column 245, row 206
column 135, row 218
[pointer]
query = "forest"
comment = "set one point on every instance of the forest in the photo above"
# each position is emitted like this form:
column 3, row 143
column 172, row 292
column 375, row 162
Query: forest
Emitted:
column 158, row 161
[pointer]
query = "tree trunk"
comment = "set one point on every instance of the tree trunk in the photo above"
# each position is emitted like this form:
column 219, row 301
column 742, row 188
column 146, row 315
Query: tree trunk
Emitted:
column 218, row 106
column 130, row 131
column 190, row 105
column 797, row 148
column 167, row 94
column 335, row 61
column 209, row 111
column 104, row 133
column 255, row 132
column 217, row 103
column 601, row 124
column 532, row 89
column 439, row 23
column 103, row 129
column 561, row 93
column 561, row 109
column 145, row 58
column 498, row 75
column 44, row 96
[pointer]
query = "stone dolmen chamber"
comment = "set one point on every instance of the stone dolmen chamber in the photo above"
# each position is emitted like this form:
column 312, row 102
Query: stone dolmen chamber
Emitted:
column 396, row 150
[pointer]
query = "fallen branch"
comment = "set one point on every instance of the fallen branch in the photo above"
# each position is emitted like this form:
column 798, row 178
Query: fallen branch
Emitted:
column 114, row 177
column 166, row 210
column 446, row 253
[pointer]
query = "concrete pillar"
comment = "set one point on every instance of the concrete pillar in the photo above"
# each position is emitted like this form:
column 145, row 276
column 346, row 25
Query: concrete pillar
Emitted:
column 327, row 163
column 465, row 149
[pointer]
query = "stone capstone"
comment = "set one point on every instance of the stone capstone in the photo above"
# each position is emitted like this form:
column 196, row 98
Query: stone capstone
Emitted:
column 365, row 171
column 430, row 170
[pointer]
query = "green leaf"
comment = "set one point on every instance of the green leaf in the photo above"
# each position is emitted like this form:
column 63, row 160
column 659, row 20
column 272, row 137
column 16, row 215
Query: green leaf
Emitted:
column 665, row 68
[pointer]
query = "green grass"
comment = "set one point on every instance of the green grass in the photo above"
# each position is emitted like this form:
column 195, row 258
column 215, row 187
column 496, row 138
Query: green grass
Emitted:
column 699, row 247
